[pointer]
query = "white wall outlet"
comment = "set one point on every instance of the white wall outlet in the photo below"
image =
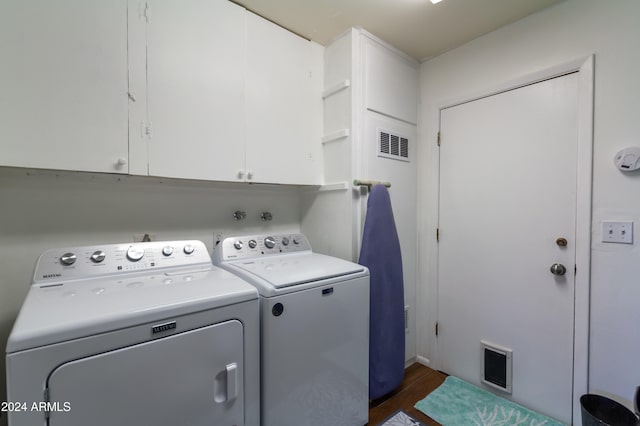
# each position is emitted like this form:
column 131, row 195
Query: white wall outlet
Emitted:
column 617, row 232
column 218, row 236
column 406, row 318
column 141, row 238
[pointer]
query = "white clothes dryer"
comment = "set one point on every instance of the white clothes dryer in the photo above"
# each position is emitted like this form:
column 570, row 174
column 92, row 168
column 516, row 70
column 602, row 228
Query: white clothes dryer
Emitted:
column 145, row 334
column 314, row 330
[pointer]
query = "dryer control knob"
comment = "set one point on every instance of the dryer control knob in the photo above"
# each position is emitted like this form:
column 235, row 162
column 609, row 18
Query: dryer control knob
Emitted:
column 285, row 241
column 238, row 244
column 270, row 242
column 167, row 250
column 296, row 240
column 252, row 244
column 188, row 249
column 98, row 256
column 135, row 253
column 68, row 259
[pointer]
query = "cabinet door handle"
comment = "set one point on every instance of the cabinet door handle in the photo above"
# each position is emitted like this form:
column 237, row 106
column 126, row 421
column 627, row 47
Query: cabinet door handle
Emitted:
column 250, row 175
column 121, row 162
column 232, row 381
column 240, row 174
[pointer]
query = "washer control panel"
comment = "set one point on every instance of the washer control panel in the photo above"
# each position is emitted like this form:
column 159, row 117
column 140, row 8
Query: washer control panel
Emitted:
column 92, row 261
column 252, row 246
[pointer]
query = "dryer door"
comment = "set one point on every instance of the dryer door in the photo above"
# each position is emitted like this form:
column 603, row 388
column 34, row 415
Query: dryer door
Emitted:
column 192, row 378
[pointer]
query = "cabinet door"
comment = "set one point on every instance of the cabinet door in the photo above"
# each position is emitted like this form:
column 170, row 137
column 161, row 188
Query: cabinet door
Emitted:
column 195, row 71
column 63, row 84
column 280, row 112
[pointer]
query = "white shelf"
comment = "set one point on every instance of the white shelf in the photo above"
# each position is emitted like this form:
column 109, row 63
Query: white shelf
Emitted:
column 340, row 134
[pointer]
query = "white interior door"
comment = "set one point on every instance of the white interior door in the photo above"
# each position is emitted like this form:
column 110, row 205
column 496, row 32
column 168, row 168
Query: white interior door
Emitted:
column 193, row 378
column 507, row 193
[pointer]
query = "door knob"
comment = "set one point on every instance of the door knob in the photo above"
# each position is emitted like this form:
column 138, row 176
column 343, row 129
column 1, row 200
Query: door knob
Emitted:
column 558, row 269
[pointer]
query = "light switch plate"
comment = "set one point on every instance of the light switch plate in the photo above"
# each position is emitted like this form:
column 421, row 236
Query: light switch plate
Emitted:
column 617, row 232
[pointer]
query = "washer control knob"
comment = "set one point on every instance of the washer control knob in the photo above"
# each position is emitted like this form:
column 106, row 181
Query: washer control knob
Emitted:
column 285, row 241
column 270, row 242
column 68, row 259
column 253, row 244
column 135, row 253
column 238, row 244
column 188, row 249
column 167, row 250
column 296, row 240
column 98, row 256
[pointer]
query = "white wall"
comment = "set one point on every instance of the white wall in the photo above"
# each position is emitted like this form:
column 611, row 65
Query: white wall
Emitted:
column 45, row 209
column 571, row 29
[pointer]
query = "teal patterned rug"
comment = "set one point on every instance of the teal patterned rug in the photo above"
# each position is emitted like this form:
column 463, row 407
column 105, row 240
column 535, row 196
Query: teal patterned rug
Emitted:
column 458, row 403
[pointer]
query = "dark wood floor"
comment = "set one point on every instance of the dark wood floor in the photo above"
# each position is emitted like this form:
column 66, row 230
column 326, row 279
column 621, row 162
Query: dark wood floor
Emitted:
column 418, row 382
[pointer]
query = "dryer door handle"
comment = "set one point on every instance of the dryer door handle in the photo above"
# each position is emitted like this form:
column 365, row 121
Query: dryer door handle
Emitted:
column 232, row 381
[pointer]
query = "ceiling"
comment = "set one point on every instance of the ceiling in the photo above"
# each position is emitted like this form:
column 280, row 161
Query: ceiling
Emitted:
column 417, row 27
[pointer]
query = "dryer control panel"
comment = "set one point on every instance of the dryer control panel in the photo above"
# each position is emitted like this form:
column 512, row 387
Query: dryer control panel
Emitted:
column 93, row 261
column 256, row 246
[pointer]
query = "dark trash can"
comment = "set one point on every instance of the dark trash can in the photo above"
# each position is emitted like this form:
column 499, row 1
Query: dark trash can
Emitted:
column 598, row 410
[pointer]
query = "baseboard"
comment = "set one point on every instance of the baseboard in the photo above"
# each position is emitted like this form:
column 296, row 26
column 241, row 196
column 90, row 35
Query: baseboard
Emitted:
column 409, row 362
column 424, row 361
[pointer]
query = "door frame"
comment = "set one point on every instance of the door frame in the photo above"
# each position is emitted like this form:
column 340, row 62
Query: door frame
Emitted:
column 584, row 66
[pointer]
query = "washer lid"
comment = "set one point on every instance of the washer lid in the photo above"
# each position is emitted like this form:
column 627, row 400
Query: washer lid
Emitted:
column 299, row 268
column 59, row 311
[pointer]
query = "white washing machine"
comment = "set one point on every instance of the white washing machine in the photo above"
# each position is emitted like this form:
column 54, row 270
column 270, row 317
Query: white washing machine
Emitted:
column 314, row 330
column 145, row 334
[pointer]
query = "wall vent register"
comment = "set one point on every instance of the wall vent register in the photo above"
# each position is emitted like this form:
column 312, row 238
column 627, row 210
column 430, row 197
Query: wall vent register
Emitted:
column 392, row 146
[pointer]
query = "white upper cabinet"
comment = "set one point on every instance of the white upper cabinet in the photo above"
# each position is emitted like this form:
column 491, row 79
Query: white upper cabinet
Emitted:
column 63, row 84
column 284, row 105
column 195, row 75
column 194, row 89
column 391, row 82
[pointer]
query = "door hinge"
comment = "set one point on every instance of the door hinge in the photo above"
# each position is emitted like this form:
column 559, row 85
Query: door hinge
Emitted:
column 438, row 138
column 575, row 269
column 437, row 235
column 436, row 329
